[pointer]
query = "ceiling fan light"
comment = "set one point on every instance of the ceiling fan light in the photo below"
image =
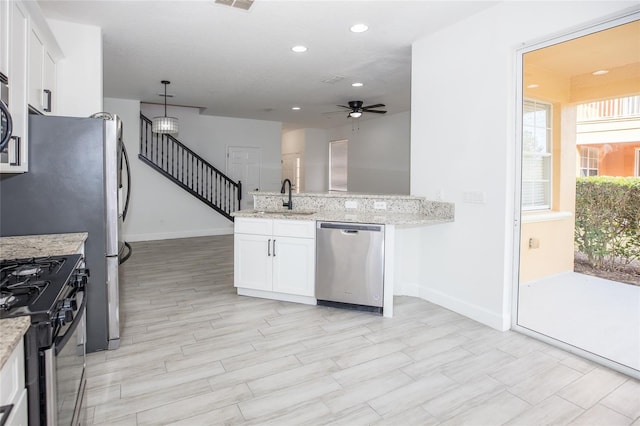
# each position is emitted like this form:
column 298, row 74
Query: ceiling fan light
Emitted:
column 355, row 114
column 164, row 124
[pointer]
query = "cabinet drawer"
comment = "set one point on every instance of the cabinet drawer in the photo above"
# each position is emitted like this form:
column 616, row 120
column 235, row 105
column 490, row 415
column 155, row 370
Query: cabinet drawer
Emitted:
column 246, row 225
column 12, row 376
column 294, row 228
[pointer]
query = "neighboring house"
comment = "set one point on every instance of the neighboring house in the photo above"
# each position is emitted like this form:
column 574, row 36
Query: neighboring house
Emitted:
column 608, row 137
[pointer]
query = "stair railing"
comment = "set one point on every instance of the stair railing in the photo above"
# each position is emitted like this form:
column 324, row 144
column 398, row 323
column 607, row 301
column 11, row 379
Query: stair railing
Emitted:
column 188, row 170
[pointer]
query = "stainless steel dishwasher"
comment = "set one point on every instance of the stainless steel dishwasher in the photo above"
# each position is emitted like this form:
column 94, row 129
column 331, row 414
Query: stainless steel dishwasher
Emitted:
column 350, row 265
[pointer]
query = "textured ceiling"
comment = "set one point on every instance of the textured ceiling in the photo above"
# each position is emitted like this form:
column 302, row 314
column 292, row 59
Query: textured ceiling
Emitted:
column 236, row 63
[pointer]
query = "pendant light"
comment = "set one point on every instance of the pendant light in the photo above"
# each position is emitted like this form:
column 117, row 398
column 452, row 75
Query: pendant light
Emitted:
column 165, row 124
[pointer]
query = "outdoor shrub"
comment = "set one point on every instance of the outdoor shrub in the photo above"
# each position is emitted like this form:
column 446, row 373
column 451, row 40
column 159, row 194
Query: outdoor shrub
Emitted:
column 608, row 220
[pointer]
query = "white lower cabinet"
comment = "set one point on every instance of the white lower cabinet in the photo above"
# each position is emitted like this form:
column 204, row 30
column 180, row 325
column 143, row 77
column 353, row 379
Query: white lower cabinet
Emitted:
column 275, row 259
column 12, row 387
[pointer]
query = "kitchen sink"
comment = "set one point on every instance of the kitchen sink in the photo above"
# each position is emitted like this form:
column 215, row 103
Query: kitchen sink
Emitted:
column 286, row 212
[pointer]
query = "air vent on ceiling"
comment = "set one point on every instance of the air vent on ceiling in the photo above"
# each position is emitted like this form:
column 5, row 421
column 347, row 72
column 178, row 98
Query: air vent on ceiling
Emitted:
column 239, row 4
column 333, row 79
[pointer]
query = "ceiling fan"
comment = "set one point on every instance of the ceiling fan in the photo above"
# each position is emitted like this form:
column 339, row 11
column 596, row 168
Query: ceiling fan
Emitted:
column 356, row 109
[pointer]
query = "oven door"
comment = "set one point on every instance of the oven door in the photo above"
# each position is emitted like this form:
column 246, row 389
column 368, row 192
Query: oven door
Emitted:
column 65, row 371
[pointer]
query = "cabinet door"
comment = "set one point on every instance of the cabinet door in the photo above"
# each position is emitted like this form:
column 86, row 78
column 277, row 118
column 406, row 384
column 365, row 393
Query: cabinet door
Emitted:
column 294, row 265
column 19, row 416
column 252, row 258
column 36, row 56
column 4, row 37
column 14, row 158
column 48, row 84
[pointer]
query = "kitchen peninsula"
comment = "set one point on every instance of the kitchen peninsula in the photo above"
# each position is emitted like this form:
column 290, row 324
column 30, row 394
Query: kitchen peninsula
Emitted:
column 269, row 220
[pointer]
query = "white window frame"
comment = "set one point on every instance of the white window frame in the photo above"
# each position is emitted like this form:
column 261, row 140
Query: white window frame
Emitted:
column 334, row 169
column 638, row 162
column 546, row 156
column 590, row 151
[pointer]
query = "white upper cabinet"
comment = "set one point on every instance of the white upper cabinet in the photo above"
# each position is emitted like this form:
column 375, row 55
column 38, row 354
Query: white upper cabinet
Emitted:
column 4, row 37
column 28, row 54
column 42, row 74
column 14, row 157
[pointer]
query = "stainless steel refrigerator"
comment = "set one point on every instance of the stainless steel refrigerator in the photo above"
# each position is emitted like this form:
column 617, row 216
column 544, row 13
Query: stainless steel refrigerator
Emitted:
column 74, row 184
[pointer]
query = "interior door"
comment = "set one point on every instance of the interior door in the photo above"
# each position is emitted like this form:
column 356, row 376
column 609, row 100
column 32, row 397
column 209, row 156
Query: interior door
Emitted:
column 244, row 164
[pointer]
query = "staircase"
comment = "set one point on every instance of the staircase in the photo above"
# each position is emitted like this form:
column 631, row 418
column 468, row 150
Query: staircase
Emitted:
column 185, row 168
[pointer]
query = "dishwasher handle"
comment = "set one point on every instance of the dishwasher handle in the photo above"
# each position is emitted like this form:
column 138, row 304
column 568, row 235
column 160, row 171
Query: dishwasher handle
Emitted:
column 350, row 228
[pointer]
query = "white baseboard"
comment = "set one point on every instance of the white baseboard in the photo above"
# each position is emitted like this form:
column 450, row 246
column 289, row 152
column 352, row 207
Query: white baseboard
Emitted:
column 307, row 300
column 178, row 234
column 475, row 312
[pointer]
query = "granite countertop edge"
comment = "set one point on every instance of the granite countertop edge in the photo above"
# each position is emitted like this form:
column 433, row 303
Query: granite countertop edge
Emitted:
column 41, row 245
column 341, row 216
column 11, row 332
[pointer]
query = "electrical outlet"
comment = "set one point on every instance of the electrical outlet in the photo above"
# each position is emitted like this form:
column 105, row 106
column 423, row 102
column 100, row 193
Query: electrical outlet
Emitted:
column 351, row 204
column 380, row 205
column 534, row 243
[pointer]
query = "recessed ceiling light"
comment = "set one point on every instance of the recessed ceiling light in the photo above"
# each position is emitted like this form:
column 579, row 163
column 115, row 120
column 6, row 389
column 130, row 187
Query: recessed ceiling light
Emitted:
column 357, row 84
column 296, row 108
column 533, row 86
column 600, row 72
column 299, row 49
column 359, row 28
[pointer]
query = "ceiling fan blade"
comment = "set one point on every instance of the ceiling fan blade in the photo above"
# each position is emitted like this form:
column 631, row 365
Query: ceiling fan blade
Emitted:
column 344, row 106
column 374, row 106
column 377, row 112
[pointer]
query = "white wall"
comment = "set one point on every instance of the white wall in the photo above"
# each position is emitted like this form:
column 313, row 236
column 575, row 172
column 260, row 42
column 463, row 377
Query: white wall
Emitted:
column 463, row 137
column 79, row 73
column 316, row 158
column 313, row 144
column 160, row 209
column 378, row 153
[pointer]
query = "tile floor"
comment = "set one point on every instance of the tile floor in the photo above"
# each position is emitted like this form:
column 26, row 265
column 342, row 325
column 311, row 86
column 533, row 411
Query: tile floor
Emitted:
column 195, row 353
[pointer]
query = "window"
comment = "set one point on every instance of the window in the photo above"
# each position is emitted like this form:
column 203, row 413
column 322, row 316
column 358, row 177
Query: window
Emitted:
column 536, row 155
column 338, row 165
column 589, row 161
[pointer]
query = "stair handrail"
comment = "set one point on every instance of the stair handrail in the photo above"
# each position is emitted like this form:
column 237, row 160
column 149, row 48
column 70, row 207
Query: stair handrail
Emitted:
column 143, row 155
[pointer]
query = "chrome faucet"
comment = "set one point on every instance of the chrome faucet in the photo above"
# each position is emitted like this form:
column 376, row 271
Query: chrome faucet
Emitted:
column 288, row 205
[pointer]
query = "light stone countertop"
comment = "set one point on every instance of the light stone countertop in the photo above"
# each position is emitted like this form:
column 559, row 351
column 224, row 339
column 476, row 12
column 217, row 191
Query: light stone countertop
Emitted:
column 12, row 329
column 385, row 209
column 11, row 332
column 41, row 245
column 345, row 216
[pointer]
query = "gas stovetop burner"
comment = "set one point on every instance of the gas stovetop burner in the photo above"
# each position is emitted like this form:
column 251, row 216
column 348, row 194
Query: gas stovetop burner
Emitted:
column 33, row 284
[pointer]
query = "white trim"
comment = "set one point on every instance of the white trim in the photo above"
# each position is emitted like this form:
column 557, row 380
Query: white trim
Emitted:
column 307, row 300
column 179, row 234
column 475, row 312
column 545, row 216
column 637, row 162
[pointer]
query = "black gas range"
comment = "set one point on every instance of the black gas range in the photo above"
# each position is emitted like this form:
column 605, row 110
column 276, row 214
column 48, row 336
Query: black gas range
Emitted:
column 51, row 291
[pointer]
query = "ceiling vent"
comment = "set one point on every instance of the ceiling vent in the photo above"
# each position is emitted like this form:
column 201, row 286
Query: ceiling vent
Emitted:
column 238, row 4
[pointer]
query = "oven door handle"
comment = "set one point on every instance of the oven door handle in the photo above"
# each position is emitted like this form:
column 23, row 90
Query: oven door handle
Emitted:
column 60, row 341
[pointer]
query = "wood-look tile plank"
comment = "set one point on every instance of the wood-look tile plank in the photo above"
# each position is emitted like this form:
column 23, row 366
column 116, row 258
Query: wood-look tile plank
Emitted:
column 205, row 404
column 552, row 411
column 625, row 399
column 599, row 415
column 592, row 387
